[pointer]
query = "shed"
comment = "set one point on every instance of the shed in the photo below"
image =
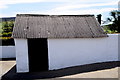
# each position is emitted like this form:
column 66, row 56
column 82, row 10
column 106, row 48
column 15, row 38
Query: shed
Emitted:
column 48, row 42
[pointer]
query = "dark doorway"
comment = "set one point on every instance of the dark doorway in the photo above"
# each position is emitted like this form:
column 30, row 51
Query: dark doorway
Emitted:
column 38, row 54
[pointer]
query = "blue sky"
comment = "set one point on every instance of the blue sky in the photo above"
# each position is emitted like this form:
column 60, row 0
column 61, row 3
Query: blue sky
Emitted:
column 9, row 8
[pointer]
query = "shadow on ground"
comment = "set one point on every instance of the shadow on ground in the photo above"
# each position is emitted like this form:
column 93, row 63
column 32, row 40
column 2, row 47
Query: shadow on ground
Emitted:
column 12, row 75
column 7, row 59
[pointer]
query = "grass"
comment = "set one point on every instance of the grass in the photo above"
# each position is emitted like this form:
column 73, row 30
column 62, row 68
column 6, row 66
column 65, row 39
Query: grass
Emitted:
column 5, row 38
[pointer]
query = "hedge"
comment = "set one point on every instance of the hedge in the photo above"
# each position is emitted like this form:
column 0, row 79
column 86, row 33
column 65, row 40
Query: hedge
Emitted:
column 7, row 42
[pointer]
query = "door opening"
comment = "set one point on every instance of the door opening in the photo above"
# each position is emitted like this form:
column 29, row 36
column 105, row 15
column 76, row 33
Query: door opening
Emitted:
column 38, row 54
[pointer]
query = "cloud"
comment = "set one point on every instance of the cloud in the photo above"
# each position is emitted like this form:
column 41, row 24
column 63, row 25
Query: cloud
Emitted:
column 78, row 6
column 67, row 8
column 2, row 6
column 70, row 12
column 7, row 15
column 86, row 11
column 5, row 3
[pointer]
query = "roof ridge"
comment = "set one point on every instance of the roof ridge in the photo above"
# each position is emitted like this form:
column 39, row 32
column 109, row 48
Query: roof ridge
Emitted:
column 52, row 15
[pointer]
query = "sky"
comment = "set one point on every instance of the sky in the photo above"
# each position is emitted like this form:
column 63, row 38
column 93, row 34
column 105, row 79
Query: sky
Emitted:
column 9, row 8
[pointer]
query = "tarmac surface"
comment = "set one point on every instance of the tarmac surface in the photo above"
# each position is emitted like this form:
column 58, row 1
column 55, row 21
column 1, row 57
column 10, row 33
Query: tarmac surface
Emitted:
column 6, row 66
column 96, row 71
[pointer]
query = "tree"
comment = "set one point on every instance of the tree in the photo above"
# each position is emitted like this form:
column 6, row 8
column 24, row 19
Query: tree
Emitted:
column 7, row 28
column 115, row 19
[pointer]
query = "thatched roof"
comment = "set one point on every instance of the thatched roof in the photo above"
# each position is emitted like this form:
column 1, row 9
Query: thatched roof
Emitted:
column 57, row 26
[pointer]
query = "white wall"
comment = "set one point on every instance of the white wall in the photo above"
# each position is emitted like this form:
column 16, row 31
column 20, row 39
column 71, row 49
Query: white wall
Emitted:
column 7, row 52
column 119, row 47
column 22, row 55
column 0, row 53
column 79, row 51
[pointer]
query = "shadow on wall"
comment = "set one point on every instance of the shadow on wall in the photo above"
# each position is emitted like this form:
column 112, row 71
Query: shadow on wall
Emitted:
column 12, row 75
